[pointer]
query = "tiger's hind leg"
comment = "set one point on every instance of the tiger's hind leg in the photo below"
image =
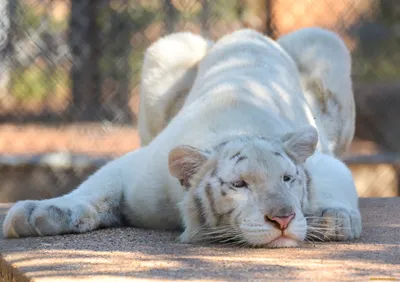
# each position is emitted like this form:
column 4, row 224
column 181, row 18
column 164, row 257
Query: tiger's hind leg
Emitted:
column 169, row 70
column 324, row 65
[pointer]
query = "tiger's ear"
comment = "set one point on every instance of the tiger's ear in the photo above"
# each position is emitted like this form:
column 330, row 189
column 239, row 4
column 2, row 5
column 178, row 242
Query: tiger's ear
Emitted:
column 184, row 162
column 301, row 144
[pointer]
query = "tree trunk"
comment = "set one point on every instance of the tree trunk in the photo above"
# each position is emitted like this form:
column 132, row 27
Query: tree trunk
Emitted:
column 270, row 28
column 84, row 39
column 117, row 74
column 171, row 16
column 205, row 18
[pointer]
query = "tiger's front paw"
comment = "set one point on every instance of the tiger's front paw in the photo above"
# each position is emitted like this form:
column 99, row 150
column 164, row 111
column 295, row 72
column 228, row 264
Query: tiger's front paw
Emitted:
column 335, row 224
column 48, row 217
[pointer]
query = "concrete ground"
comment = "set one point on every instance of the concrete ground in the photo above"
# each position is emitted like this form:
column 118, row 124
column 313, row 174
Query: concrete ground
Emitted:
column 127, row 254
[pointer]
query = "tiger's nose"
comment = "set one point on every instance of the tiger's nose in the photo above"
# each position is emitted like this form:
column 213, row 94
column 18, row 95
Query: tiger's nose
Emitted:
column 281, row 222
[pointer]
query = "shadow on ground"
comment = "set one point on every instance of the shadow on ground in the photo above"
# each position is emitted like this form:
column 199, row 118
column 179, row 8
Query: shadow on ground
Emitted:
column 126, row 253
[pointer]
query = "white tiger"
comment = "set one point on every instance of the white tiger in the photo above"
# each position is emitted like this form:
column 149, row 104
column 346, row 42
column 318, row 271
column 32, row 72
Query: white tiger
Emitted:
column 230, row 147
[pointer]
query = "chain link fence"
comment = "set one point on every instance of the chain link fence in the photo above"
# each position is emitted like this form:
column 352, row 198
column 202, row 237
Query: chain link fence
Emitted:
column 70, row 69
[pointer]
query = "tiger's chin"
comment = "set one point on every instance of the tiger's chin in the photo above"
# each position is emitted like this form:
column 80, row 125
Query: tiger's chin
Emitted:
column 280, row 241
column 283, row 242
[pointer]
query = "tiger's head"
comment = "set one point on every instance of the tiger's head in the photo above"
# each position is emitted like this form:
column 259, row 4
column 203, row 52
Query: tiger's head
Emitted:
column 247, row 190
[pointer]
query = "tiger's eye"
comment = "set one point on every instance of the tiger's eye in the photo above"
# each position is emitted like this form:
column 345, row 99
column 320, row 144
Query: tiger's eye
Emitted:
column 240, row 184
column 287, row 178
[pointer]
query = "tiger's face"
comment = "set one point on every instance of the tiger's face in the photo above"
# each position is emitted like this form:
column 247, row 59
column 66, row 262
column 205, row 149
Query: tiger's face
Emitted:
column 248, row 190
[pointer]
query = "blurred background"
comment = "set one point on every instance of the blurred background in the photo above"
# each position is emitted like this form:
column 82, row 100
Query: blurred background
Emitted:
column 70, row 72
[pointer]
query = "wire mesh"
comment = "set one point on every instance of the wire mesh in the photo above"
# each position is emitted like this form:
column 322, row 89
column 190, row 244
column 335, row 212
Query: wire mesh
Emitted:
column 83, row 58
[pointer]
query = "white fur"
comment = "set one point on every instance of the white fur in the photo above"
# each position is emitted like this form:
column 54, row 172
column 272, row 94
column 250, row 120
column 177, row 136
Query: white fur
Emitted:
column 169, row 69
column 246, row 85
column 324, row 63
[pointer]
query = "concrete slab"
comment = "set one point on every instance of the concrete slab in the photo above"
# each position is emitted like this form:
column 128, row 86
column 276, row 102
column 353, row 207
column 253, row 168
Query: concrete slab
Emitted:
column 129, row 254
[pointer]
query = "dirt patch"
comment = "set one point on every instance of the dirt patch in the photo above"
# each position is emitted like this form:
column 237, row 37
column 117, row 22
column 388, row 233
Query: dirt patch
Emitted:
column 88, row 138
column 130, row 254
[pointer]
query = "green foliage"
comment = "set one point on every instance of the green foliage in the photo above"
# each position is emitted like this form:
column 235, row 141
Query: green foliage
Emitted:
column 29, row 19
column 382, row 70
column 25, row 19
column 36, row 84
column 226, row 10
